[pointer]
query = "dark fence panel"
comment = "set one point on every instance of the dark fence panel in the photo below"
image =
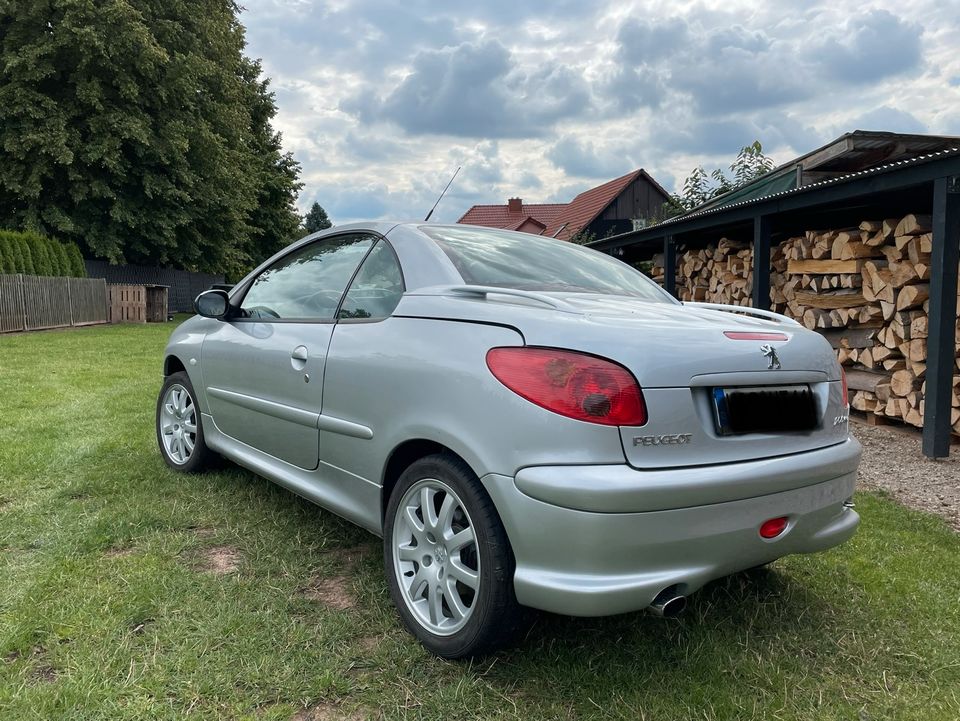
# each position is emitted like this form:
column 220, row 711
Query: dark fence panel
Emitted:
column 184, row 285
column 29, row 302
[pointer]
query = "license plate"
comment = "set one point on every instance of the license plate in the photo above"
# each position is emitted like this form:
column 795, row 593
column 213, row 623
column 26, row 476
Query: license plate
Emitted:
column 764, row 409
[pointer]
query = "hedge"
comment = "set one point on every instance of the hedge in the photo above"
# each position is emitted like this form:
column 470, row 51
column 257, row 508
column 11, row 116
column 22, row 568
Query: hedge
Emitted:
column 34, row 254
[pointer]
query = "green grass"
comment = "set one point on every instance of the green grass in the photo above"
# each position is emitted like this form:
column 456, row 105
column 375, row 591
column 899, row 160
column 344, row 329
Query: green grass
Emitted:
column 107, row 609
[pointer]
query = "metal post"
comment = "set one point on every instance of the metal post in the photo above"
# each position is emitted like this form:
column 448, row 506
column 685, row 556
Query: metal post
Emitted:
column 761, row 262
column 669, row 265
column 943, row 317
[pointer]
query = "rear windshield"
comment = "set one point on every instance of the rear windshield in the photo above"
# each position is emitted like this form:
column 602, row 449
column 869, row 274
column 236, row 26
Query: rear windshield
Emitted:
column 506, row 259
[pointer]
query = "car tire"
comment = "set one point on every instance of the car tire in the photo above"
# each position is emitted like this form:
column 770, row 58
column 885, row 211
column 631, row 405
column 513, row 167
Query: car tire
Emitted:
column 179, row 430
column 429, row 572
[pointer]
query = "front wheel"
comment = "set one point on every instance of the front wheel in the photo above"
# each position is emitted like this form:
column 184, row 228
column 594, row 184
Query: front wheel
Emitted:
column 179, row 433
column 448, row 561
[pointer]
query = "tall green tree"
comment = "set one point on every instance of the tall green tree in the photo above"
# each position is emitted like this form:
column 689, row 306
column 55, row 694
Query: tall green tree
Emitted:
column 139, row 129
column 274, row 220
column 316, row 219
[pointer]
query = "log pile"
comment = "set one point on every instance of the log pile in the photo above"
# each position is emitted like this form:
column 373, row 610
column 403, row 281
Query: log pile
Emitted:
column 865, row 288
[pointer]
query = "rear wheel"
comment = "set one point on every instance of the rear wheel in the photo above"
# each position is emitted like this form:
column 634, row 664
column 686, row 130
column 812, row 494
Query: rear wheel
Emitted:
column 179, row 432
column 448, row 561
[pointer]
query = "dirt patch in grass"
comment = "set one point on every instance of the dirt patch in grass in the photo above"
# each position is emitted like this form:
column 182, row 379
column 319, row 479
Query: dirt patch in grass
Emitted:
column 893, row 462
column 219, row 560
column 332, row 591
column 331, row 712
column 350, row 557
column 203, row 532
column 44, row 674
column 370, row 644
column 119, row 552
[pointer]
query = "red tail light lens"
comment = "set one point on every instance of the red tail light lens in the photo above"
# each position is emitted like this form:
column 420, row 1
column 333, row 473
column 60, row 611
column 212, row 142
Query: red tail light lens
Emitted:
column 575, row 385
column 845, row 395
column 774, row 527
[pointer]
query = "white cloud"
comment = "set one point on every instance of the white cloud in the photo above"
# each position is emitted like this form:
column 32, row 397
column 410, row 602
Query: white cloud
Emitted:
column 381, row 101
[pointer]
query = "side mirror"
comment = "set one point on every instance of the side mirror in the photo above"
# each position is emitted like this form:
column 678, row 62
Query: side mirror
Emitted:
column 212, row 304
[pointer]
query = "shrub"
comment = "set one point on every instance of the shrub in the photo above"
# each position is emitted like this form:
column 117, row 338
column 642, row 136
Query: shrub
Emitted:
column 6, row 255
column 58, row 258
column 34, row 254
column 40, row 252
column 77, row 268
column 26, row 256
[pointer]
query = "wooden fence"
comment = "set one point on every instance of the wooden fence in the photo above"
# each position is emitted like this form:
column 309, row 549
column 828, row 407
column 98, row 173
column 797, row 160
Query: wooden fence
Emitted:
column 29, row 302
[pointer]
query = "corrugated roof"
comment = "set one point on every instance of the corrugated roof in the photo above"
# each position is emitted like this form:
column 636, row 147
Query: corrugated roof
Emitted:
column 886, row 167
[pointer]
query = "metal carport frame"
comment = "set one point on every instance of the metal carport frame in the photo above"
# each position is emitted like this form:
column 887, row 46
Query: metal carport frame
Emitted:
column 934, row 178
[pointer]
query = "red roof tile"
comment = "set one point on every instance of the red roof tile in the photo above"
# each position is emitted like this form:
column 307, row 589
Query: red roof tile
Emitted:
column 582, row 210
column 499, row 216
column 562, row 220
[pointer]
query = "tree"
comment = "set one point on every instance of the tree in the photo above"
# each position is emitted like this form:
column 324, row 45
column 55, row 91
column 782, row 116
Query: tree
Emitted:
column 6, row 255
column 26, row 257
column 316, row 219
column 77, row 268
column 699, row 187
column 274, row 221
column 138, row 129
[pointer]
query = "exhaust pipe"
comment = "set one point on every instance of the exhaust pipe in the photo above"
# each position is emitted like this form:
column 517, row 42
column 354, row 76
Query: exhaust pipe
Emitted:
column 668, row 603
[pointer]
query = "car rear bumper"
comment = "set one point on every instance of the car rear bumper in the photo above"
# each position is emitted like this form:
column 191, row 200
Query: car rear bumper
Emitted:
column 588, row 563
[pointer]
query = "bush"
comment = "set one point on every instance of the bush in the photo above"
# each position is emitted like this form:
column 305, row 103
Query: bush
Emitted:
column 58, row 258
column 77, row 268
column 41, row 256
column 26, row 263
column 34, row 254
column 6, row 255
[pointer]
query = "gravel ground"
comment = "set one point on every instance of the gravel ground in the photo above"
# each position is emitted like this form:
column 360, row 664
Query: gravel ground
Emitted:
column 892, row 462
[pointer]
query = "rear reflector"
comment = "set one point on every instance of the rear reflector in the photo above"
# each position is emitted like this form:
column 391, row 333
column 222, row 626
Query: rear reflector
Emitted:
column 773, row 528
column 751, row 335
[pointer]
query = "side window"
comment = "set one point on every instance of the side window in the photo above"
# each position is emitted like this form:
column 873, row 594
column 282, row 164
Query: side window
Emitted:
column 377, row 288
column 308, row 283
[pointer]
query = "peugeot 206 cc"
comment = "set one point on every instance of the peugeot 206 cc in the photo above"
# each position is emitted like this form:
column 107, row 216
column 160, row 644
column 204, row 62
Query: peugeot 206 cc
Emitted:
column 526, row 422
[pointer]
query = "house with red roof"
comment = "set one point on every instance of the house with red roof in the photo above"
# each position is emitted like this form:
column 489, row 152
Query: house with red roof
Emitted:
column 617, row 206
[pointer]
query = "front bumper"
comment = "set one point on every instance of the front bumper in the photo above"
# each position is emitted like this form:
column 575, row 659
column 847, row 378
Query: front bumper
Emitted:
column 588, row 563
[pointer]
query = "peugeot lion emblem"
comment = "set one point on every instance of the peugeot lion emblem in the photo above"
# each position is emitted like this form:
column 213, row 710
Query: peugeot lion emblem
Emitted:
column 770, row 353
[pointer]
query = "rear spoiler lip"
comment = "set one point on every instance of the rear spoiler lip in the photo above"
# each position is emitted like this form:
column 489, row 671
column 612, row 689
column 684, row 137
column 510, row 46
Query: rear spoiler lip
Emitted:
column 745, row 310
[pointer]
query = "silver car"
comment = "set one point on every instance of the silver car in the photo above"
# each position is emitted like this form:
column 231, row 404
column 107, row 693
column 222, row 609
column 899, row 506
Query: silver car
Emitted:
column 526, row 422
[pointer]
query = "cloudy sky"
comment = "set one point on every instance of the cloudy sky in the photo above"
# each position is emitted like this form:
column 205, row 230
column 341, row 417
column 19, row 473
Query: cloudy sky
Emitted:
column 381, row 101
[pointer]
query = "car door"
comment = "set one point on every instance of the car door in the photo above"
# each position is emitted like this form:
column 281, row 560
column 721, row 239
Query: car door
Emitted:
column 263, row 371
column 361, row 373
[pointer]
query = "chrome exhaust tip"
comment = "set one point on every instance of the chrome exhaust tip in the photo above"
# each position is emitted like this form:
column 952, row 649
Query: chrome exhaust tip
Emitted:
column 668, row 604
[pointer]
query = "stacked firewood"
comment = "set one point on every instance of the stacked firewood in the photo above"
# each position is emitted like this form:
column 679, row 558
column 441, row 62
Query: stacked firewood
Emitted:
column 865, row 288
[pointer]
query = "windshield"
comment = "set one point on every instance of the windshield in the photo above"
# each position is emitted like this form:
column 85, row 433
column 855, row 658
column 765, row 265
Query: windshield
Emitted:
column 485, row 256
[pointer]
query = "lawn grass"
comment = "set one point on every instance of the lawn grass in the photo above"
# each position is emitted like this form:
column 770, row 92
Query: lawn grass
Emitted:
column 129, row 591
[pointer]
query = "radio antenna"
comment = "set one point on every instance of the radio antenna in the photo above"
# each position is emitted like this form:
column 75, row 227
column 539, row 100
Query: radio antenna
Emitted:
column 441, row 195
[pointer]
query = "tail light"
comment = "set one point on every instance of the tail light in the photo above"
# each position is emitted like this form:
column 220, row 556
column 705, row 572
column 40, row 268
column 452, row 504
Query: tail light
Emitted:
column 845, row 396
column 575, row 385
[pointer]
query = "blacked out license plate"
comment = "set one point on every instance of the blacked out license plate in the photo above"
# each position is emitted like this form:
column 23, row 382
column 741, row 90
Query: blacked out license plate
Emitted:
column 764, row 409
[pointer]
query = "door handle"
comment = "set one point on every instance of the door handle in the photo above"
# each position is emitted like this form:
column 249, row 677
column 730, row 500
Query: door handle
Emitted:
column 300, row 354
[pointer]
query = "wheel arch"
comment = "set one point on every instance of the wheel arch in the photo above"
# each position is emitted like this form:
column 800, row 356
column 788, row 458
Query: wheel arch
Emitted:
column 172, row 364
column 401, row 458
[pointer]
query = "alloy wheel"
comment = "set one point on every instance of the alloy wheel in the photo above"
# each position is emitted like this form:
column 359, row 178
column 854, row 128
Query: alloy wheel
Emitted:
column 178, row 424
column 435, row 557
